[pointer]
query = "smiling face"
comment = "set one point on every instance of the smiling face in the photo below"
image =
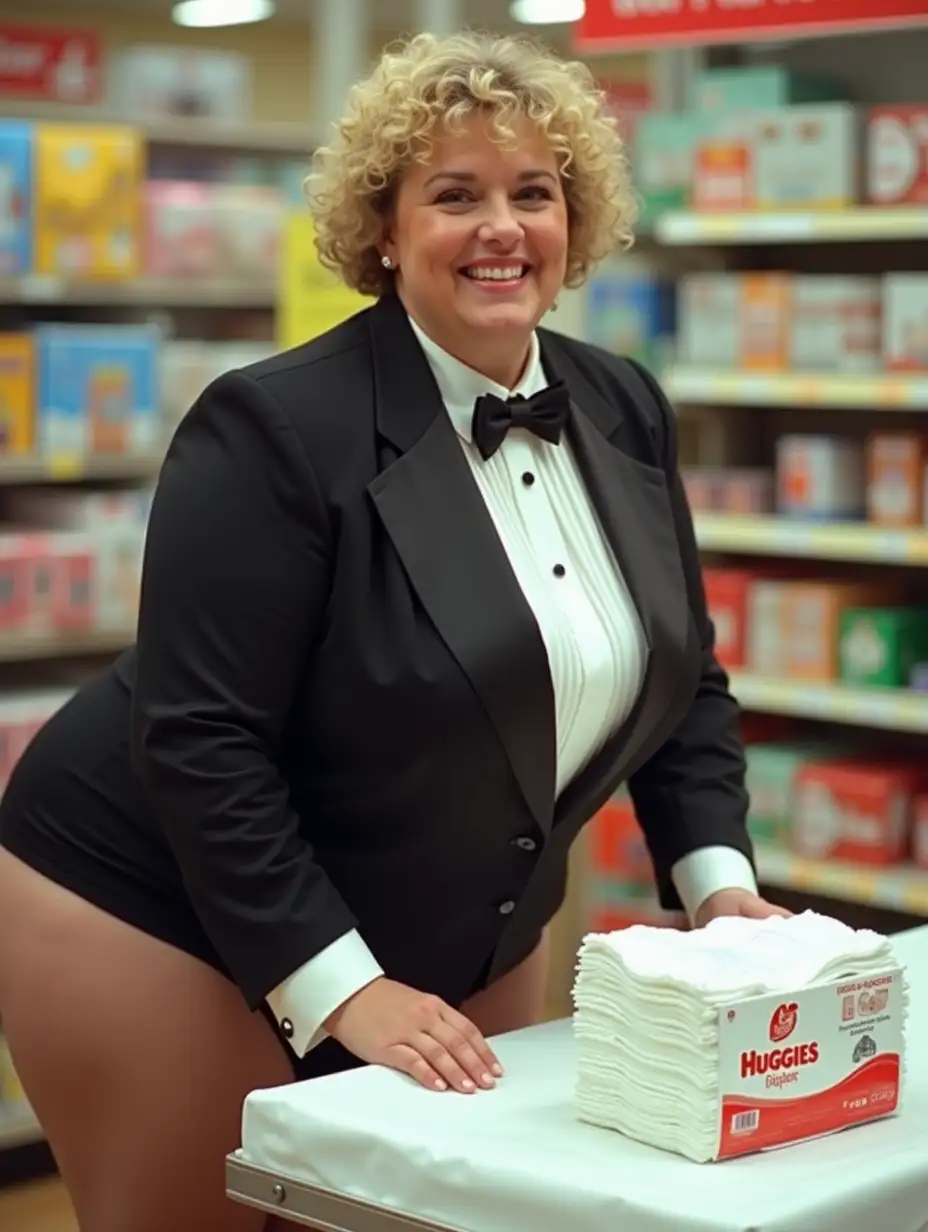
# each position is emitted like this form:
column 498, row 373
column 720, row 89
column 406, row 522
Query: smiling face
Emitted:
column 478, row 237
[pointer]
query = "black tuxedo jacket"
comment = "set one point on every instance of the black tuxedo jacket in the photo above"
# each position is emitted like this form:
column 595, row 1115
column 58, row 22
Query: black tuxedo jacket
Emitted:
column 343, row 713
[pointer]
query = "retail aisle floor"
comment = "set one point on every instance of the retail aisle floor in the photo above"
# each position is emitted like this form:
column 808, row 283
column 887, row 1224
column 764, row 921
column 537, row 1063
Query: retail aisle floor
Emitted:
column 39, row 1207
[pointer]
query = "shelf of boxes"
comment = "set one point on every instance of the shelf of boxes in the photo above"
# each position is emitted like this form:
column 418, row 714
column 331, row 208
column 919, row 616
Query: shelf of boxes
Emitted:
column 48, row 290
column 776, row 536
column 891, row 709
column 880, row 391
column 894, row 889
column 255, row 136
column 78, row 468
column 685, row 227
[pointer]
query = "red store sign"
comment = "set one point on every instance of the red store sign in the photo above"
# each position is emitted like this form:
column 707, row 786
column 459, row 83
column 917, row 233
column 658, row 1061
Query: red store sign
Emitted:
column 633, row 25
column 61, row 66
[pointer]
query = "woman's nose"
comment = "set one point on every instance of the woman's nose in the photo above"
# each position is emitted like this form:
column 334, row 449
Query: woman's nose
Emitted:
column 501, row 223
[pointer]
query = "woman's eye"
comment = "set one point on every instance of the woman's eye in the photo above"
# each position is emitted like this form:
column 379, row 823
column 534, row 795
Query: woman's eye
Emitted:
column 453, row 196
column 536, row 192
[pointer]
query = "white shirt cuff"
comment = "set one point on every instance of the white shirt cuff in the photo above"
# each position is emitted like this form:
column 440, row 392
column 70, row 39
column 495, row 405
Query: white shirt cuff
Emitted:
column 305, row 999
column 708, row 870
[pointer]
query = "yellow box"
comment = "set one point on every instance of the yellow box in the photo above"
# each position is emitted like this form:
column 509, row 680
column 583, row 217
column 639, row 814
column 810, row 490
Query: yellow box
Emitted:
column 88, row 201
column 17, row 394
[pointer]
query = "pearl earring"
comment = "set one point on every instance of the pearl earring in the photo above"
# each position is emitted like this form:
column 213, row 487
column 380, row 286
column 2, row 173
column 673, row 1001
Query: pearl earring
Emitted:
column 386, row 263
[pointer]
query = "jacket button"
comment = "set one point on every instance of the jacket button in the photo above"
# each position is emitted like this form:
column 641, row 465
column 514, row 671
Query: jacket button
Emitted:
column 526, row 844
column 507, row 908
column 286, row 1027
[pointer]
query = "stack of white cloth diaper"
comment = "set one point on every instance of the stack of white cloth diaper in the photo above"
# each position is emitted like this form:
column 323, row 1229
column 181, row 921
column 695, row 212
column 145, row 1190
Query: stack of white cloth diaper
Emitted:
column 646, row 1013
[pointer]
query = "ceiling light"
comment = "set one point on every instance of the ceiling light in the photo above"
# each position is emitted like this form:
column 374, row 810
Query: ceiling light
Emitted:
column 202, row 13
column 546, row 12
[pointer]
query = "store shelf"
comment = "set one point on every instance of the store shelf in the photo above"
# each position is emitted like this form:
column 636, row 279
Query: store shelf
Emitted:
column 792, row 226
column 770, row 536
column 892, row 709
column 76, row 468
column 894, row 889
column 18, row 1128
column 48, row 290
column 255, row 136
column 872, row 391
column 23, row 647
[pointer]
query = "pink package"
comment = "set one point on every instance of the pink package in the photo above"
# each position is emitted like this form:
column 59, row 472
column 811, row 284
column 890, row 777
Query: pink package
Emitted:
column 182, row 230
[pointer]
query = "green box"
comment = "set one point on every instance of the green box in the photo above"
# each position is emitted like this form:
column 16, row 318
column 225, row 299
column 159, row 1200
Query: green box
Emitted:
column 879, row 646
column 760, row 86
column 663, row 159
column 771, row 773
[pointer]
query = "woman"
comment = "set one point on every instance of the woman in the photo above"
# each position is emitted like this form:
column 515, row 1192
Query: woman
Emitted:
column 418, row 596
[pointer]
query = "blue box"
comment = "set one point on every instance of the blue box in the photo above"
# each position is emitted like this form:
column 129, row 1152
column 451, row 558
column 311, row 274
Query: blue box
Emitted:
column 98, row 390
column 632, row 314
column 16, row 198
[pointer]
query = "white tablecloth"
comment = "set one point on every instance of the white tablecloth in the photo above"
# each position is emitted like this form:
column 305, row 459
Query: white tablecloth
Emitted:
column 515, row 1159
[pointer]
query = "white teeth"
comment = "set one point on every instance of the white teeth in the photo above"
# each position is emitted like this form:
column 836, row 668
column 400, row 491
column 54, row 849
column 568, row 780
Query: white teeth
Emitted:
column 510, row 272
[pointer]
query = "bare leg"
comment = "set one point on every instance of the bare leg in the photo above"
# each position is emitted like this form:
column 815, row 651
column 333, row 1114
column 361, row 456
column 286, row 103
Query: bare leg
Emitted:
column 136, row 1057
column 516, row 1000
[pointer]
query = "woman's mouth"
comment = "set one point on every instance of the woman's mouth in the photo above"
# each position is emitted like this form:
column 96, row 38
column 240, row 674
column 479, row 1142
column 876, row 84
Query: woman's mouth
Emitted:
column 497, row 277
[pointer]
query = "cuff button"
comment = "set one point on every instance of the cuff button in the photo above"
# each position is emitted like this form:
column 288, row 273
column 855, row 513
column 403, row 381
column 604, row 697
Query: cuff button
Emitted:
column 286, row 1027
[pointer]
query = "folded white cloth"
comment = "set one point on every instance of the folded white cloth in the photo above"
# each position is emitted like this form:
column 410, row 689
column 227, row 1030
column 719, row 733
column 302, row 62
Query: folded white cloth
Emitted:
column 646, row 1013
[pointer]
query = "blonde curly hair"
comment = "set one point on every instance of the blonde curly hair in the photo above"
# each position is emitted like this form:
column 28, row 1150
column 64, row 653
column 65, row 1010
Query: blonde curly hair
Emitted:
column 391, row 118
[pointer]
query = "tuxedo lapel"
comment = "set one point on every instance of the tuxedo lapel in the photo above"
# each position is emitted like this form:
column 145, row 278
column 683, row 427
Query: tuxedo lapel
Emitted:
column 632, row 502
column 444, row 535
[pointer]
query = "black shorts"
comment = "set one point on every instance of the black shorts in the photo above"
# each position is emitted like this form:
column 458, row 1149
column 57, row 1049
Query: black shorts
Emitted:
column 74, row 812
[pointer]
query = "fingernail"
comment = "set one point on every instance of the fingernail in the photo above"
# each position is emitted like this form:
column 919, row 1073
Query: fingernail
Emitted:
column 440, row 1084
column 468, row 1085
column 498, row 1070
column 487, row 1080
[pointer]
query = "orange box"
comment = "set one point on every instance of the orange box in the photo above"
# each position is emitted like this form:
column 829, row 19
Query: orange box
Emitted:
column 727, row 593
column 861, row 812
column 811, row 614
column 617, row 847
column 765, row 322
column 17, row 393
column 895, row 478
column 723, row 175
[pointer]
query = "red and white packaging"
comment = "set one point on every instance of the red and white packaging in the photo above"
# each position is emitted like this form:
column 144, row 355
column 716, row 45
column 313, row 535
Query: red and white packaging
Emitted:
column 897, row 155
column 905, row 322
column 811, row 1063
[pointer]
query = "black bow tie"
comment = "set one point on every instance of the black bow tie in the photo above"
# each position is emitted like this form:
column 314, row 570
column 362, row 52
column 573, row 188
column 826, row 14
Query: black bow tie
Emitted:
column 545, row 413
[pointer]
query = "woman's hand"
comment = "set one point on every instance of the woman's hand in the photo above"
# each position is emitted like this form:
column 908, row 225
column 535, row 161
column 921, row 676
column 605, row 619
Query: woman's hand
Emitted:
column 387, row 1023
column 736, row 902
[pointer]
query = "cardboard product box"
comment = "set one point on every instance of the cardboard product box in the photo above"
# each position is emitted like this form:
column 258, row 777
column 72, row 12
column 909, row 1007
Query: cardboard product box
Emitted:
column 770, row 778
column 765, row 320
column 761, row 86
column 17, row 394
column 250, row 220
column 854, row 810
column 703, row 486
column 820, row 478
column 182, row 231
column 663, row 159
column 765, row 649
column 905, row 322
column 168, row 82
column 728, row 594
column 631, row 315
column 88, row 210
column 709, row 309
column 723, row 173
column 807, row 157
column 880, row 647
column 747, row 491
column 897, row 155
column 836, row 324
column 815, row 1061
column 811, row 616
column 16, row 197
column 896, row 463
column 617, row 849
column 98, row 389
